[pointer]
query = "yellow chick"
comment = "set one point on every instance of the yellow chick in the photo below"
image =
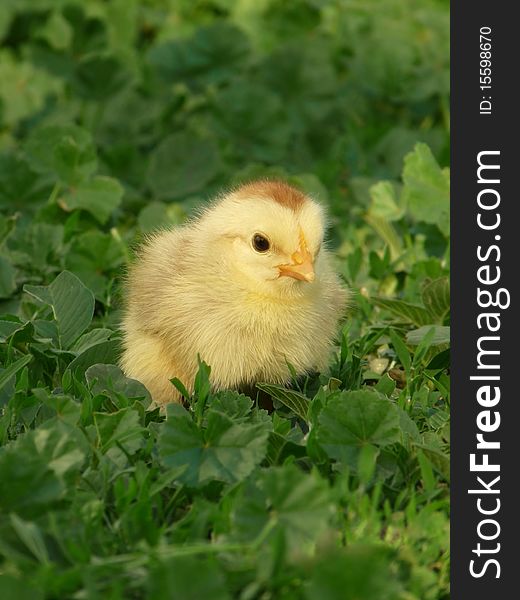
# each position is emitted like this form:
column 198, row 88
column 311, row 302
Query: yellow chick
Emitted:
column 247, row 285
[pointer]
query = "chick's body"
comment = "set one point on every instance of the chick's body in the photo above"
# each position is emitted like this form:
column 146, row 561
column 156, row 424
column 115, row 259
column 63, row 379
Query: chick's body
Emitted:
column 212, row 288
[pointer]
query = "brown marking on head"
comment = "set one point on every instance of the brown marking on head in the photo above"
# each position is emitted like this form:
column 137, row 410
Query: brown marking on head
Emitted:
column 279, row 191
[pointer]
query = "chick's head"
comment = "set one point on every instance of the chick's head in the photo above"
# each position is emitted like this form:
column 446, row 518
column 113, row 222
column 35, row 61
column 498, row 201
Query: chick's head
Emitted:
column 268, row 237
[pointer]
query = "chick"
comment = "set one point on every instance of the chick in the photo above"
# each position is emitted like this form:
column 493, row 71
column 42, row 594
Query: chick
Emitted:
column 247, row 285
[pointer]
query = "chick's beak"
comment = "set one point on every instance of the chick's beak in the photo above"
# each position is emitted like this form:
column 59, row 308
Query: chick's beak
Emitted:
column 302, row 265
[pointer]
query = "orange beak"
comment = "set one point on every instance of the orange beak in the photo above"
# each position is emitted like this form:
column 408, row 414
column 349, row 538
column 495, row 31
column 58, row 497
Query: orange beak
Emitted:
column 302, row 265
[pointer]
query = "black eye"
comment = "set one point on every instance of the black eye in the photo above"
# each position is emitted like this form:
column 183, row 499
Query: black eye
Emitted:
column 260, row 243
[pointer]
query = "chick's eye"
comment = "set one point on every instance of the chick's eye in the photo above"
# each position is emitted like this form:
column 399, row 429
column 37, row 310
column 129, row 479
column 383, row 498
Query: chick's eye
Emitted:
column 260, row 243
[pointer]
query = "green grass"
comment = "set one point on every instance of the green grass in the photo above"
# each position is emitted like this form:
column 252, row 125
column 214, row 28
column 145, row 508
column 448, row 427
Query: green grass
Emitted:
column 117, row 117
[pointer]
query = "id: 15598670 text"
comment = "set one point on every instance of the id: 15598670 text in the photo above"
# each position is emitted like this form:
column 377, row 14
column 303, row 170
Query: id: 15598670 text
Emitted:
column 485, row 70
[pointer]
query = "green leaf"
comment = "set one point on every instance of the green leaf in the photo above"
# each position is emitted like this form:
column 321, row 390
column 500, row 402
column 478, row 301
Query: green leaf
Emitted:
column 65, row 407
column 436, row 297
column 91, row 338
column 180, row 387
column 225, row 450
column 385, row 385
column 286, row 501
column 367, row 460
column 57, row 31
column 383, row 210
column 413, row 313
column 93, row 257
column 438, row 459
column 361, row 571
column 427, row 475
column 440, row 361
column 384, row 201
column 378, row 266
column 72, row 305
column 423, row 347
column 408, row 426
column 182, row 164
column 441, row 335
column 66, row 151
column 354, row 261
column 99, row 75
column 6, row 14
column 46, row 331
column 7, row 278
column 19, row 184
column 21, row 589
column 303, row 75
column 252, row 116
column 351, row 420
column 295, row 401
column 275, row 447
column 401, row 351
column 37, row 247
column 187, row 577
column 157, row 215
column 37, row 469
column 100, row 196
column 13, row 368
column 104, row 352
column 209, row 56
column 234, row 405
column 9, row 327
column 201, row 388
column 109, row 379
column 387, row 233
column 427, row 188
column 31, row 535
column 121, row 428
column 24, row 88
